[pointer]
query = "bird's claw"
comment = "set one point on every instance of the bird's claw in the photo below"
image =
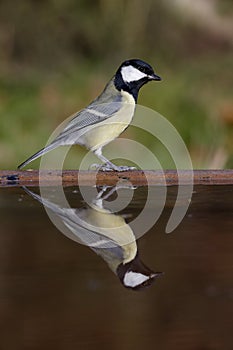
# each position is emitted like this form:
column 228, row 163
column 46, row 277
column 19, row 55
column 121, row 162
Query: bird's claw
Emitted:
column 95, row 166
column 125, row 168
column 101, row 167
column 110, row 167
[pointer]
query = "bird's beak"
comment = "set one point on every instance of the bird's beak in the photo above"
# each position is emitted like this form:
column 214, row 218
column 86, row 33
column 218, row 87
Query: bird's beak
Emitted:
column 154, row 77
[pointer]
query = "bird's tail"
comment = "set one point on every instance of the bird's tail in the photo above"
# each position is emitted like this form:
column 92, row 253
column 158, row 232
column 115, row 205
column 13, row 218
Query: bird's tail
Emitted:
column 38, row 154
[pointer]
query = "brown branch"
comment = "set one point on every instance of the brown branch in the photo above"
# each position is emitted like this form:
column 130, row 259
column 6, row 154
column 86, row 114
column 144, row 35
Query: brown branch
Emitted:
column 9, row 178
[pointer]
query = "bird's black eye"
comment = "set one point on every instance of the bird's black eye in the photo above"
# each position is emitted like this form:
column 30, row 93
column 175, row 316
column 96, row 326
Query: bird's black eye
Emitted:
column 142, row 69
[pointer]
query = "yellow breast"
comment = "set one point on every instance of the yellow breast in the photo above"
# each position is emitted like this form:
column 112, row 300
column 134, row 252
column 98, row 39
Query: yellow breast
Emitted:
column 98, row 135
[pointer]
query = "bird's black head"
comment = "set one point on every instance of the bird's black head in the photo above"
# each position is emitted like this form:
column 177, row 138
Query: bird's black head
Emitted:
column 132, row 75
column 135, row 275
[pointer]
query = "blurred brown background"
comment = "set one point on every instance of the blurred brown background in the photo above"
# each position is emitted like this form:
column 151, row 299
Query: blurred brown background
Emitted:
column 56, row 56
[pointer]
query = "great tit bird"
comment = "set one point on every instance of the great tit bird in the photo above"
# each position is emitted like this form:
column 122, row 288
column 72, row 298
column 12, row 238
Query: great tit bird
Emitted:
column 108, row 235
column 107, row 116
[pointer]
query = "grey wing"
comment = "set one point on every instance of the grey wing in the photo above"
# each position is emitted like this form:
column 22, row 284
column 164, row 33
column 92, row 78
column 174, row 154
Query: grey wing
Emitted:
column 79, row 229
column 91, row 115
column 105, row 106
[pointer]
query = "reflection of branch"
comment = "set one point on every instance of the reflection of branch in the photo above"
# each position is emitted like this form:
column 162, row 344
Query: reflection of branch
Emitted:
column 136, row 178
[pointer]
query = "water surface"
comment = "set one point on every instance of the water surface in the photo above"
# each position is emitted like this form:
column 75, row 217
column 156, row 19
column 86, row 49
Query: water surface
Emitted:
column 56, row 293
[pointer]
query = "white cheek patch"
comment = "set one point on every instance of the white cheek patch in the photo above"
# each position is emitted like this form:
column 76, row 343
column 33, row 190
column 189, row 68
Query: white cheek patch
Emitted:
column 133, row 279
column 130, row 73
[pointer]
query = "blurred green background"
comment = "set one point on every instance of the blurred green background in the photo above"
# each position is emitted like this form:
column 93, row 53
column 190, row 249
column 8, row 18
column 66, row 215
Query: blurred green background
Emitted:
column 56, row 56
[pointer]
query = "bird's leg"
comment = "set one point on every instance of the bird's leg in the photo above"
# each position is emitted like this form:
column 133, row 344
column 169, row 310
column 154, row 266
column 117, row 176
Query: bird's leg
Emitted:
column 109, row 166
column 114, row 189
column 102, row 191
column 103, row 195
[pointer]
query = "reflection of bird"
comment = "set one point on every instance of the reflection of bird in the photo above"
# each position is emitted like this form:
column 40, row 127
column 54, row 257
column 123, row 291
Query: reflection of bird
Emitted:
column 108, row 115
column 108, row 235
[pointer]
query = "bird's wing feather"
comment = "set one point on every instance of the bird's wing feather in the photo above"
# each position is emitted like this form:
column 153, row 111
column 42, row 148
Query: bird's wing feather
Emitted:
column 102, row 108
column 93, row 114
column 81, row 232
column 75, row 221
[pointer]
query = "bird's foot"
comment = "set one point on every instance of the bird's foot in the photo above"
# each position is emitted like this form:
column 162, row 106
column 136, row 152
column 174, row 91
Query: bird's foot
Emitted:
column 101, row 167
column 124, row 168
column 110, row 167
column 95, row 166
